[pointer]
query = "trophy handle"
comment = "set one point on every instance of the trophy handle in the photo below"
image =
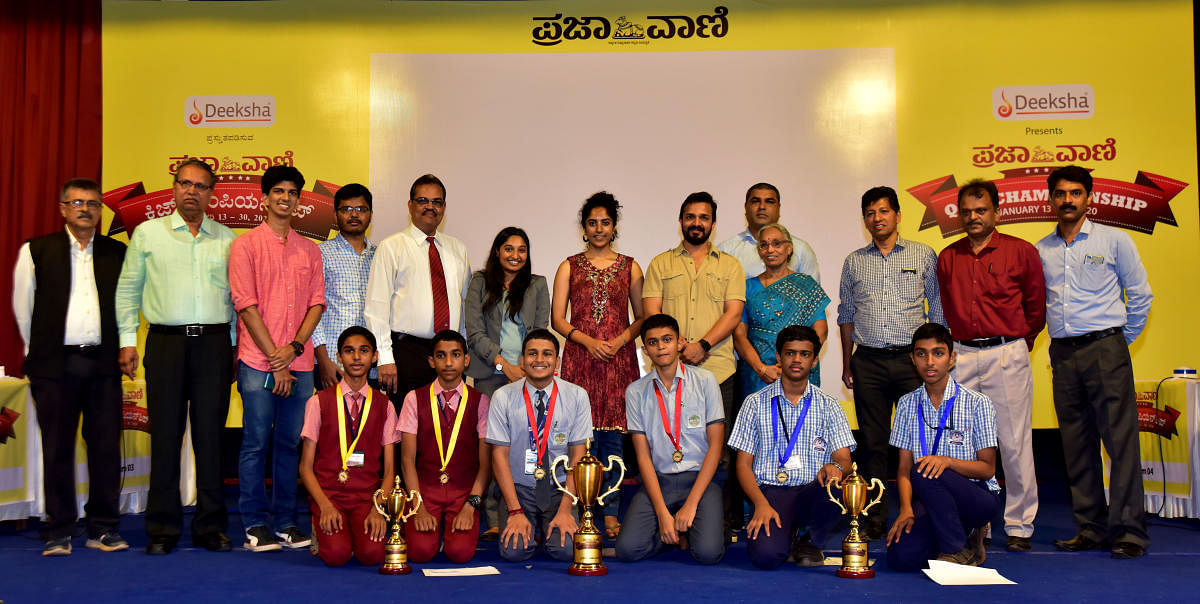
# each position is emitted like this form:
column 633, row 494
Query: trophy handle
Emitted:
column 874, row 482
column 613, row 459
column 414, row 497
column 378, row 507
column 554, row 476
column 829, row 484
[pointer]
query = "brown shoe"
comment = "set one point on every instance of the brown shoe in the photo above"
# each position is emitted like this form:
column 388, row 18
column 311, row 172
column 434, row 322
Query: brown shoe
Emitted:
column 966, row 557
column 975, row 543
column 1079, row 543
column 1018, row 544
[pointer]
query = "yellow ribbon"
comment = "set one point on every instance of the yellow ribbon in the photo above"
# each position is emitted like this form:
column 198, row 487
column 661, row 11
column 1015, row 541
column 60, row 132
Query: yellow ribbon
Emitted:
column 341, row 412
column 443, row 452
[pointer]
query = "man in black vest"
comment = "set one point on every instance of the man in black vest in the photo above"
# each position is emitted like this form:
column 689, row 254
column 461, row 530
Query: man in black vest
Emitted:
column 63, row 289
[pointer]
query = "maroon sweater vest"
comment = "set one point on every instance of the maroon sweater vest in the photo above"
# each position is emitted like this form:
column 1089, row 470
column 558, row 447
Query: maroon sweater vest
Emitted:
column 328, row 460
column 464, row 464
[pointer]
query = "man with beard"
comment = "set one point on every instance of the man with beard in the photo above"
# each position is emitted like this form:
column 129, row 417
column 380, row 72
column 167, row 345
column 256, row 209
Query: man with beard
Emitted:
column 415, row 290
column 885, row 287
column 995, row 302
column 176, row 274
column 704, row 289
column 1097, row 300
column 762, row 208
column 346, row 262
column 63, row 288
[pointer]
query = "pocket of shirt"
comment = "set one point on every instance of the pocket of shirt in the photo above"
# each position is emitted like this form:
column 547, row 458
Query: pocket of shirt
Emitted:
column 218, row 273
column 1095, row 277
column 715, row 287
column 675, row 286
column 908, row 286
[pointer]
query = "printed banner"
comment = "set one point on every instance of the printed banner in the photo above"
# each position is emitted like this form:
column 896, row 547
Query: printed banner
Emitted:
column 1166, row 443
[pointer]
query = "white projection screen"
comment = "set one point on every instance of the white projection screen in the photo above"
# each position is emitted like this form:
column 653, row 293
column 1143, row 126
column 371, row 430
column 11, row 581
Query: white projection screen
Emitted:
column 524, row 139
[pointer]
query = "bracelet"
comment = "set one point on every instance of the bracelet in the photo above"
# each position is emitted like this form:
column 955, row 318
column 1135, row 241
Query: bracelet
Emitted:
column 838, row 466
column 573, row 330
column 515, row 512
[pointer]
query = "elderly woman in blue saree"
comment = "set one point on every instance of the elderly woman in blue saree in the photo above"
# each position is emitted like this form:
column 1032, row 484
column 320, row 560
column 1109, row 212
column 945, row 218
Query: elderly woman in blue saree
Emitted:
column 775, row 299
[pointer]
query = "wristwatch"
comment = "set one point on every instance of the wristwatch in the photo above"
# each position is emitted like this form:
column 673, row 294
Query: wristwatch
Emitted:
column 475, row 500
column 704, row 344
column 298, row 347
column 499, row 367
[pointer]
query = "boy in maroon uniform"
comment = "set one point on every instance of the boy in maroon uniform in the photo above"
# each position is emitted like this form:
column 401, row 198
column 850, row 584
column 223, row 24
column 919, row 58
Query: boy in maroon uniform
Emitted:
column 442, row 426
column 349, row 432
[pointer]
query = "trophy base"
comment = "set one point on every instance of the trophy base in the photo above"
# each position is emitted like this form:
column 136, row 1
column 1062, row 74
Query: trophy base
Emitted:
column 587, row 570
column 856, row 573
column 395, row 570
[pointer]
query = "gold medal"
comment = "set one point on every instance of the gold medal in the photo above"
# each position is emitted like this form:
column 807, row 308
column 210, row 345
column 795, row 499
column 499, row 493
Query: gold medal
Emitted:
column 539, row 473
column 444, row 478
column 343, row 476
column 677, row 456
column 782, row 476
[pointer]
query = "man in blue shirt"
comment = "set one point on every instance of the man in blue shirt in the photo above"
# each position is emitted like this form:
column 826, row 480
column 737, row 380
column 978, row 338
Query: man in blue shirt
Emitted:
column 1097, row 300
column 347, row 265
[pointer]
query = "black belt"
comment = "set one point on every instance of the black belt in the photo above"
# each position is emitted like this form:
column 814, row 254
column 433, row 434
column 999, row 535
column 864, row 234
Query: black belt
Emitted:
column 1088, row 337
column 191, row 330
column 398, row 335
column 889, row 350
column 86, row 349
column 988, row 342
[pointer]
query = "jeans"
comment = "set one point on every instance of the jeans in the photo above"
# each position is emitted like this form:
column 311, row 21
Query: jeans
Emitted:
column 265, row 415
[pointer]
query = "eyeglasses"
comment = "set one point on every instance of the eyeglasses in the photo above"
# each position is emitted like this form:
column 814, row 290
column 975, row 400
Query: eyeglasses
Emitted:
column 187, row 184
column 437, row 202
column 354, row 209
column 767, row 244
column 80, row 203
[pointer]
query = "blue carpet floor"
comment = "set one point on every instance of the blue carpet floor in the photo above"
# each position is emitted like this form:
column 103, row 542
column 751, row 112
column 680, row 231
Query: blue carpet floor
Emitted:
column 1168, row 573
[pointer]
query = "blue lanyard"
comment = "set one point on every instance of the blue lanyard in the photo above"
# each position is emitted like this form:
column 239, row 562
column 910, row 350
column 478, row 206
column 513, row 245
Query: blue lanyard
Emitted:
column 937, row 439
column 777, row 419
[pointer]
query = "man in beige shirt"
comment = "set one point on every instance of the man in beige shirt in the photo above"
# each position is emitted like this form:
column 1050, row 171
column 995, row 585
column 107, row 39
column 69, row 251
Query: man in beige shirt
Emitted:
column 705, row 290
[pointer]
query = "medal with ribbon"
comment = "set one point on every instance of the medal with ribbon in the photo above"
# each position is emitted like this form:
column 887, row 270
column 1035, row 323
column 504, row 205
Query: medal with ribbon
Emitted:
column 937, row 438
column 676, row 438
column 445, row 452
column 538, row 442
column 776, row 422
column 342, row 412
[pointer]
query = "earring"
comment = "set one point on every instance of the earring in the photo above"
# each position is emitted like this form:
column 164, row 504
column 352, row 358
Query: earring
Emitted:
column 585, row 239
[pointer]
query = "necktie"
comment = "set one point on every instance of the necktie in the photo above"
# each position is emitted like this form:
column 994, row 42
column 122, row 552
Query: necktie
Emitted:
column 437, row 278
column 543, row 491
column 354, row 404
column 447, row 414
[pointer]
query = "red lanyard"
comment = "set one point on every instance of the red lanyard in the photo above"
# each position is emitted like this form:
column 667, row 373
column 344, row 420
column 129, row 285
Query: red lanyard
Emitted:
column 539, row 443
column 662, row 409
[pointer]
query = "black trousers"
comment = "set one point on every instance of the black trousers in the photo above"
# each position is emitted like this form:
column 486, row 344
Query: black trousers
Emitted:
column 181, row 370
column 1095, row 402
column 880, row 379
column 412, row 366
column 85, row 388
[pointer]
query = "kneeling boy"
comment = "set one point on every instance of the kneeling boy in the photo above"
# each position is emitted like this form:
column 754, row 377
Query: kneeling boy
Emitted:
column 348, row 428
column 947, row 439
column 531, row 421
column 678, row 425
column 444, row 456
column 791, row 439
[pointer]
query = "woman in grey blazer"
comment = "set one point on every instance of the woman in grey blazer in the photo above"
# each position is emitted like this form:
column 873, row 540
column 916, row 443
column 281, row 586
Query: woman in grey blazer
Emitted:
column 504, row 301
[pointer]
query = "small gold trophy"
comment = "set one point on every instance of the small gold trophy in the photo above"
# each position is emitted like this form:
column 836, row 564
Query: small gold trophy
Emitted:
column 854, row 548
column 589, row 475
column 395, row 558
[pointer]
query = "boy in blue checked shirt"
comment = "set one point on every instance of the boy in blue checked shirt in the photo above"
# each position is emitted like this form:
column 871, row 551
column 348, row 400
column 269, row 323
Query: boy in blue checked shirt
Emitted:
column 791, row 439
column 947, row 440
column 677, row 420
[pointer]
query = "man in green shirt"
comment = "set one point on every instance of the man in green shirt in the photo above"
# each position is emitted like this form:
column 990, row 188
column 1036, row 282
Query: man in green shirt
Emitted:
column 176, row 275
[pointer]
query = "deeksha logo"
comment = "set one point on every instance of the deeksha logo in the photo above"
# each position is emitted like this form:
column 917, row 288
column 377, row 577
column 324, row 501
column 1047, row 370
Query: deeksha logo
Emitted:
column 1055, row 102
column 230, row 111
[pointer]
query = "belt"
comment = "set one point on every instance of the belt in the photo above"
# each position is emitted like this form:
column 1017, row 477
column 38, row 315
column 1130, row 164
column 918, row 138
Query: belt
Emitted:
column 398, row 335
column 191, row 330
column 988, row 342
column 1088, row 337
column 86, row 349
column 889, row 350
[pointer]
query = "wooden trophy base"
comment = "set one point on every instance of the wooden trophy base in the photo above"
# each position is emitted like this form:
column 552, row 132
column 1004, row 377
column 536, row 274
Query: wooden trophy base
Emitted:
column 587, row 570
column 856, row 573
column 398, row 570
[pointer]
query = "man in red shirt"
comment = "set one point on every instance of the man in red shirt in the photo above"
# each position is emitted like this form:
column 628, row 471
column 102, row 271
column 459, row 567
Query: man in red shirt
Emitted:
column 994, row 297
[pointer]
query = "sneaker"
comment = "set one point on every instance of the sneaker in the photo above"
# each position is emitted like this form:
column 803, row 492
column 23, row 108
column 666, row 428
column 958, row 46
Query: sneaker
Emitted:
column 292, row 538
column 57, row 547
column 260, row 539
column 108, row 542
column 808, row 555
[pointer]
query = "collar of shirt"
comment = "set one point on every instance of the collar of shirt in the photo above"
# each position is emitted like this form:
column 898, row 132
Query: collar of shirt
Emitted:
column 1084, row 232
column 287, row 240
column 341, row 241
column 776, row 389
column 679, row 372
column 900, row 244
column 453, row 401
column 419, row 236
column 746, row 236
column 364, row 392
column 952, row 389
column 75, row 250
column 712, row 250
column 532, row 390
column 177, row 222
column 964, row 245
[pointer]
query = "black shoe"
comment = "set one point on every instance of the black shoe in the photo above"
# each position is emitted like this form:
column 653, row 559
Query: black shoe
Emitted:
column 807, row 555
column 213, row 542
column 492, row 534
column 976, row 544
column 1078, row 543
column 1124, row 550
column 160, row 546
column 1018, row 544
column 874, row 531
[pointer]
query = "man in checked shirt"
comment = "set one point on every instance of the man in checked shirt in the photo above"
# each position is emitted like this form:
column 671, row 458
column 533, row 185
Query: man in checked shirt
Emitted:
column 883, row 296
column 347, row 265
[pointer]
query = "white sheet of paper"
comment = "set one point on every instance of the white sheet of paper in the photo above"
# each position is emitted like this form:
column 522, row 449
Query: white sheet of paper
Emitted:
column 473, row 571
column 949, row 573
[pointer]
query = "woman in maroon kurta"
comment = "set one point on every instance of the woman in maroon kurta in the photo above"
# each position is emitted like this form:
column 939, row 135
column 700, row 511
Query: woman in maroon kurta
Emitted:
column 601, row 286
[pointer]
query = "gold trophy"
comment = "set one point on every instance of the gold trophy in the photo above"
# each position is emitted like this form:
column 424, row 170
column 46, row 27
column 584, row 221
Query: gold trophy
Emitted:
column 589, row 475
column 854, row 488
column 395, row 558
